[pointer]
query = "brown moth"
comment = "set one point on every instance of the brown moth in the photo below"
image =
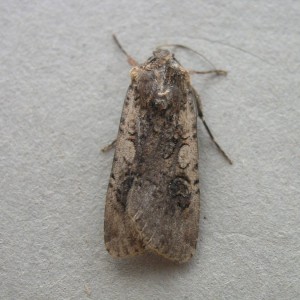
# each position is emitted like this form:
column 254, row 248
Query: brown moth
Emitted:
column 153, row 200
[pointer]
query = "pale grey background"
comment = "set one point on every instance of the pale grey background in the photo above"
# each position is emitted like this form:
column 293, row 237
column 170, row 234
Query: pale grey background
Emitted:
column 63, row 82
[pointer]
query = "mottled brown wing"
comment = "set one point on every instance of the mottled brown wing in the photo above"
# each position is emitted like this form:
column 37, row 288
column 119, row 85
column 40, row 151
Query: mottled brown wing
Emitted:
column 163, row 198
column 120, row 234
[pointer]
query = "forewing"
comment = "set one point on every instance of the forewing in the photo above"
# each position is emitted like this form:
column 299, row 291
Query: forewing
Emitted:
column 163, row 200
column 120, row 235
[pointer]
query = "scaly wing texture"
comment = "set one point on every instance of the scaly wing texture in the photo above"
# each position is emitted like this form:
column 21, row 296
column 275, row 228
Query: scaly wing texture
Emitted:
column 153, row 196
column 120, row 235
column 164, row 197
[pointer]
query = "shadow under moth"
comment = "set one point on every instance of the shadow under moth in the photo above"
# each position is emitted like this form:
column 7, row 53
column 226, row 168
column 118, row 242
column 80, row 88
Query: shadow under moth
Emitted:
column 153, row 197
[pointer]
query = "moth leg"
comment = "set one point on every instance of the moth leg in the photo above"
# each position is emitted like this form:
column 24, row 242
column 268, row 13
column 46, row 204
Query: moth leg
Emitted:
column 216, row 72
column 130, row 60
column 109, row 146
column 201, row 116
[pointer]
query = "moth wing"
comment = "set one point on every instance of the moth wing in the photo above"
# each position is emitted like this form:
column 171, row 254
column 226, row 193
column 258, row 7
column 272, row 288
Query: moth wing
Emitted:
column 163, row 200
column 120, row 235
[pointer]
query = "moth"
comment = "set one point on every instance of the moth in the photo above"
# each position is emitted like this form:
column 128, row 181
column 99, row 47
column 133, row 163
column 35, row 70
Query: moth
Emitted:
column 153, row 196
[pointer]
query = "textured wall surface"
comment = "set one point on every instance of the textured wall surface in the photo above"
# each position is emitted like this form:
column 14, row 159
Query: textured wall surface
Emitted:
column 62, row 85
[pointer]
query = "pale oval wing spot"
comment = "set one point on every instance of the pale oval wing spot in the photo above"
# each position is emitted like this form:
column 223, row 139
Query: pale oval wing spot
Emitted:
column 128, row 151
column 183, row 157
column 131, row 127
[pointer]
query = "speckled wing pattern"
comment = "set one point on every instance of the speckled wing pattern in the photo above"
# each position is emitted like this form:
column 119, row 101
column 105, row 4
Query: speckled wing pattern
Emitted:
column 152, row 201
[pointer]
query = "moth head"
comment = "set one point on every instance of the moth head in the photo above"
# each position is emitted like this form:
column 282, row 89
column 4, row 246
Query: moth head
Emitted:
column 162, row 54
